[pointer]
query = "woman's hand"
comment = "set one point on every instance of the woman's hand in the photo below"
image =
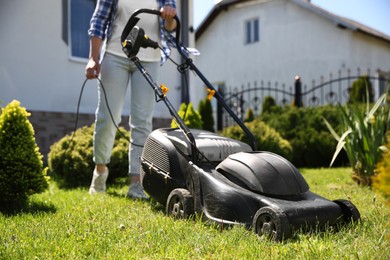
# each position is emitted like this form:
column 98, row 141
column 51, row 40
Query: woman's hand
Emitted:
column 168, row 13
column 92, row 69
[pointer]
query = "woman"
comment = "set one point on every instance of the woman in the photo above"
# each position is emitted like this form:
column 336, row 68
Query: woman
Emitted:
column 116, row 72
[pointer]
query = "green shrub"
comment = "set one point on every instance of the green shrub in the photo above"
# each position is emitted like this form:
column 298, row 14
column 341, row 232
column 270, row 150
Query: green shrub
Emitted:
column 71, row 160
column 304, row 128
column 364, row 132
column 268, row 103
column 206, row 113
column 21, row 168
column 267, row 138
column 250, row 115
column 192, row 118
column 381, row 179
column 360, row 90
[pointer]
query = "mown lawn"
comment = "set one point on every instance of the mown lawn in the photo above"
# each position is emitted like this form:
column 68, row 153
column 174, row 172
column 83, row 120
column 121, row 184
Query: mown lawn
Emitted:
column 71, row 224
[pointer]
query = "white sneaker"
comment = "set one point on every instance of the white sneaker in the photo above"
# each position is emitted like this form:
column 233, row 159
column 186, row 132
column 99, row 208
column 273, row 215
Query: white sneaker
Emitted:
column 98, row 183
column 136, row 191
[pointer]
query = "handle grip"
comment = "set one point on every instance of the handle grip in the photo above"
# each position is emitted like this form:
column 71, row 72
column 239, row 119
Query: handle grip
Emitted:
column 133, row 20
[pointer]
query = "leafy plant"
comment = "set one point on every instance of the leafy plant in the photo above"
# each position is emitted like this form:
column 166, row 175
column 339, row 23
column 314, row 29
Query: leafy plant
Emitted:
column 206, row 113
column 191, row 117
column 21, row 168
column 71, row 158
column 364, row 132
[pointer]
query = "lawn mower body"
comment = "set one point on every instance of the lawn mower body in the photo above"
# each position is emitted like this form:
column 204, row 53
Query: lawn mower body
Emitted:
column 221, row 179
column 260, row 190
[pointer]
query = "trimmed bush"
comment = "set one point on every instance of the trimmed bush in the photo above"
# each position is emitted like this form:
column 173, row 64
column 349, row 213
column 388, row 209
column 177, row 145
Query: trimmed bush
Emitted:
column 360, row 90
column 250, row 115
column 71, row 160
column 21, row 168
column 191, row 117
column 312, row 143
column 267, row 138
column 206, row 113
column 268, row 103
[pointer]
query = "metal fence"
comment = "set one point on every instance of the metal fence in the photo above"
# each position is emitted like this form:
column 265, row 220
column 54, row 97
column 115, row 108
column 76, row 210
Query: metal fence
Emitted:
column 332, row 91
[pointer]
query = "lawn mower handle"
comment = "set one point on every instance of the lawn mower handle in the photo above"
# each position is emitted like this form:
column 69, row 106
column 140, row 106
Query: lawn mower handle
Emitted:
column 133, row 20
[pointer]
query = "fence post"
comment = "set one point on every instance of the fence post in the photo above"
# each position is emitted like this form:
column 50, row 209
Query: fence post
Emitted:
column 298, row 92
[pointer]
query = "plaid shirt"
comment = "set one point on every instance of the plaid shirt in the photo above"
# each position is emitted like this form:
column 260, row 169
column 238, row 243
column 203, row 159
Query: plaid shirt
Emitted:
column 103, row 18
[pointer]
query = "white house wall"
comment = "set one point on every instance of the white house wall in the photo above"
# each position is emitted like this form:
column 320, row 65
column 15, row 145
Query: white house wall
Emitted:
column 293, row 41
column 35, row 67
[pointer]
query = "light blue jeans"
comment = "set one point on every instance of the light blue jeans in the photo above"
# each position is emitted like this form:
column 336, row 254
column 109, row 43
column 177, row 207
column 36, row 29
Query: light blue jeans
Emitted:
column 116, row 74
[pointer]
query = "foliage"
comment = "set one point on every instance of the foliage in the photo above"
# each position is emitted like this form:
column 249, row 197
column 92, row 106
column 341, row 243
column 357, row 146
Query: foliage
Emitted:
column 71, row 224
column 268, row 103
column 304, row 128
column 71, row 158
column 206, row 113
column 267, row 138
column 361, row 91
column 191, row 117
column 250, row 115
column 364, row 131
column 381, row 179
column 21, row 168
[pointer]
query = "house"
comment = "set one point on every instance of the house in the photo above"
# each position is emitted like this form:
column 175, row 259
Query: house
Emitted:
column 252, row 44
column 44, row 50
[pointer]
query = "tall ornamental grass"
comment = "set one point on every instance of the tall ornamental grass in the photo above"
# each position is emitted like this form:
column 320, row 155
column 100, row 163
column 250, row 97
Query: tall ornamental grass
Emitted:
column 363, row 137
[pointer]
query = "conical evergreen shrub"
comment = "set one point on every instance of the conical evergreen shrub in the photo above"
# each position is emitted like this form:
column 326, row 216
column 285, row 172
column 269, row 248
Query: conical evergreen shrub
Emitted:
column 249, row 116
column 21, row 168
column 268, row 103
column 191, row 117
column 206, row 113
column 361, row 91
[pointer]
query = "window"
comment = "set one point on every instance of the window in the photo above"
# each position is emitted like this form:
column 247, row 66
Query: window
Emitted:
column 80, row 12
column 252, row 31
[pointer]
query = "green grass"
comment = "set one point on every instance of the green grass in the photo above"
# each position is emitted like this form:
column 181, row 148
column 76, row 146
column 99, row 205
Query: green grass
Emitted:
column 71, row 224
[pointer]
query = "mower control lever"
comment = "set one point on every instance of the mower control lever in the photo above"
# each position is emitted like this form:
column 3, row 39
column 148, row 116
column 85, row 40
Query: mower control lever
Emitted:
column 135, row 41
column 136, row 36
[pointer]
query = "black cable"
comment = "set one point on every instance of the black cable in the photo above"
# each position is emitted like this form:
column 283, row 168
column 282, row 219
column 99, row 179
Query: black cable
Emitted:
column 77, row 115
column 112, row 117
column 109, row 111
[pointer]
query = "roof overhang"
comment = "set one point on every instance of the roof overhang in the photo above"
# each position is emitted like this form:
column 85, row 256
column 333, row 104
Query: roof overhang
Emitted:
column 338, row 21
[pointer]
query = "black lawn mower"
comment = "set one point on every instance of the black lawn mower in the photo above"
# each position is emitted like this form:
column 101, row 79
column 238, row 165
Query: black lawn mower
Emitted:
column 226, row 181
